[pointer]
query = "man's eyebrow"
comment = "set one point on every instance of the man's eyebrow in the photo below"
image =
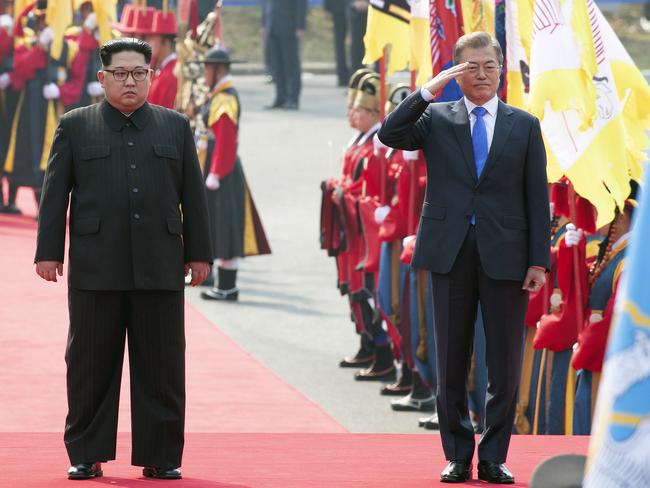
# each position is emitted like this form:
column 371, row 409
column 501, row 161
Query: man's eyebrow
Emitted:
column 136, row 67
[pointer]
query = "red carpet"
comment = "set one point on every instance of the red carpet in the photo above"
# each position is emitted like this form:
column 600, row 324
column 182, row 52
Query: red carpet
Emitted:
column 277, row 461
column 247, row 427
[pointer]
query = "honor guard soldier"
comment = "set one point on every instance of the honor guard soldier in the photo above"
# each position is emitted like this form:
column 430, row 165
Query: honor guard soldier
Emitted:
column 162, row 39
column 234, row 222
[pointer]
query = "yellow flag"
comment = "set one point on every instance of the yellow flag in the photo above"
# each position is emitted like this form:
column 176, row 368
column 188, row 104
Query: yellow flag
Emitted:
column 478, row 15
column 58, row 17
column 388, row 24
column 592, row 102
column 420, row 41
column 106, row 12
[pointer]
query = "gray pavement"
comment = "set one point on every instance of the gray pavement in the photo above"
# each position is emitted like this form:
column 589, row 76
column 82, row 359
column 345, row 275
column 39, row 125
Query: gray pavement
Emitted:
column 290, row 315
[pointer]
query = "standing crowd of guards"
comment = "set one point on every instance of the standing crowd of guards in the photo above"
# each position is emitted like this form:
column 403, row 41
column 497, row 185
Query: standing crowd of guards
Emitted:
column 190, row 73
column 369, row 219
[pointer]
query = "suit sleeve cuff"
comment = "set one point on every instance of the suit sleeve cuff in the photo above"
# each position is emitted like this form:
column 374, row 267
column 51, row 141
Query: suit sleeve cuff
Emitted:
column 426, row 95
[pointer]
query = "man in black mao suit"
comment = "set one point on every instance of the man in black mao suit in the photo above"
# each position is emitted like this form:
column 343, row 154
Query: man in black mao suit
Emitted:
column 484, row 236
column 283, row 25
column 138, row 225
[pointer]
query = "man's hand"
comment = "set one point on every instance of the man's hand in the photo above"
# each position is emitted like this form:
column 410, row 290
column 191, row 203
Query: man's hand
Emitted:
column 300, row 33
column 200, row 272
column 436, row 84
column 49, row 269
column 535, row 279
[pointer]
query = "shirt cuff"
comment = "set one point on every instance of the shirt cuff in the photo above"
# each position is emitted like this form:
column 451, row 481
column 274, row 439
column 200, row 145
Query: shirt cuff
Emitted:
column 426, row 95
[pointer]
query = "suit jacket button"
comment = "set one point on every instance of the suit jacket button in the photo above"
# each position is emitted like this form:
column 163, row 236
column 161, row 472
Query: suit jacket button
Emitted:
column 130, row 144
column 134, row 190
column 136, row 216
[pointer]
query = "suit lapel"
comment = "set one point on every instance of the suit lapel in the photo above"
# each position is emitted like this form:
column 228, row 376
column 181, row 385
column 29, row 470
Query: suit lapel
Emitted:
column 502, row 130
column 460, row 122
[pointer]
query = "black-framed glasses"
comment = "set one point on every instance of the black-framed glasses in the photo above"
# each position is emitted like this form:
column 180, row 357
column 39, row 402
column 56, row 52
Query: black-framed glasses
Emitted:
column 138, row 74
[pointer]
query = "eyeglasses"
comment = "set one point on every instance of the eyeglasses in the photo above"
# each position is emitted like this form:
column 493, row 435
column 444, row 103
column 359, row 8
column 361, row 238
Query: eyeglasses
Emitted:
column 138, row 74
column 489, row 69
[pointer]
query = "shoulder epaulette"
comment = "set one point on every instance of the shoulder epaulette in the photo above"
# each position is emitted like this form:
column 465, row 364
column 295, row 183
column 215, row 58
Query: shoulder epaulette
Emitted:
column 223, row 103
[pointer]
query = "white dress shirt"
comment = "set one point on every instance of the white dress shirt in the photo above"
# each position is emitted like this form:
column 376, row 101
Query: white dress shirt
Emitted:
column 490, row 118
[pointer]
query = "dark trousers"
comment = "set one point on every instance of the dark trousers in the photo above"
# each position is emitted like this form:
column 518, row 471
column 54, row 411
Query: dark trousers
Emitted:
column 358, row 20
column 286, row 66
column 340, row 21
column 456, row 296
column 99, row 324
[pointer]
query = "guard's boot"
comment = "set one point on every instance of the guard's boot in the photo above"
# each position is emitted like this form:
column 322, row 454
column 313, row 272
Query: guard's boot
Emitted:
column 226, row 289
column 421, row 398
column 364, row 356
column 403, row 385
column 382, row 368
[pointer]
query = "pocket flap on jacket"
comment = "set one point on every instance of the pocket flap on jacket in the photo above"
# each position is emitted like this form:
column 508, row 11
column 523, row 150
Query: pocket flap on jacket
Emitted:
column 86, row 225
column 174, row 225
column 515, row 223
column 165, row 151
column 95, row 152
column 433, row 211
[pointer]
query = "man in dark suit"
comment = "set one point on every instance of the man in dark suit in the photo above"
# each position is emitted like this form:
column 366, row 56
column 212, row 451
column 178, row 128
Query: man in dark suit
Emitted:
column 484, row 236
column 338, row 11
column 138, row 224
column 283, row 26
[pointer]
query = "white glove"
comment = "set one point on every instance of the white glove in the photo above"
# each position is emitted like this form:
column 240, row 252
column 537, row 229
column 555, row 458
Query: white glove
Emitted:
column 407, row 239
column 212, row 182
column 380, row 214
column 46, row 37
column 95, row 89
column 410, row 155
column 91, row 22
column 572, row 236
column 202, row 144
column 7, row 23
column 5, row 79
column 51, row 91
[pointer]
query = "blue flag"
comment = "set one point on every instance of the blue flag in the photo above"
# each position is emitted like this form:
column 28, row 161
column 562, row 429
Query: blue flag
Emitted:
column 619, row 453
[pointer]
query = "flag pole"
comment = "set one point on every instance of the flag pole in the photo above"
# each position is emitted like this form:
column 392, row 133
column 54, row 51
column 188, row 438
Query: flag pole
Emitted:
column 576, row 265
column 413, row 176
column 383, row 169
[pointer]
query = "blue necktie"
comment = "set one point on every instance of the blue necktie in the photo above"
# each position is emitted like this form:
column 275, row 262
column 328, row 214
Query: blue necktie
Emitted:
column 480, row 144
column 479, row 140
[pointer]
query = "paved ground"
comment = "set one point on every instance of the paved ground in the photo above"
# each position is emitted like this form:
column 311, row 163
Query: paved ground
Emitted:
column 290, row 315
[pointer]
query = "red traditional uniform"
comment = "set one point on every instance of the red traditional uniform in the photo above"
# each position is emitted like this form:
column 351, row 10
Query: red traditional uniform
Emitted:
column 164, row 85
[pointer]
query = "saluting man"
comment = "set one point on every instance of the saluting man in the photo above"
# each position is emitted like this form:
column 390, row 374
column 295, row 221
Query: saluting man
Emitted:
column 138, row 224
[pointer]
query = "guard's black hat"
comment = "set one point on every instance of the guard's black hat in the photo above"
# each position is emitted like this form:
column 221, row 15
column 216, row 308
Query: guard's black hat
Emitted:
column 218, row 55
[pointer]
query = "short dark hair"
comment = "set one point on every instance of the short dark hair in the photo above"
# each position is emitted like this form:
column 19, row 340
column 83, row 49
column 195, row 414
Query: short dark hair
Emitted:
column 477, row 40
column 115, row 46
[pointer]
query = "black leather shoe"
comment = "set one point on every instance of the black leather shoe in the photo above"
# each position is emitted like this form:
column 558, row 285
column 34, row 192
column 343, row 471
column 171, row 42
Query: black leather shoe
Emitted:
column 290, row 106
column 274, row 105
column 10, row 209
column 221, row 295
column 494, row 473
column 430, row 423
column 162, row 473
column 457, row 472
column 356, row 361
column 85, row 471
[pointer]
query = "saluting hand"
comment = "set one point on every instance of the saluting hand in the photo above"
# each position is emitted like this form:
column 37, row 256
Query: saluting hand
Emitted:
column 49, row 269
column 200, row 272
column 438, row 82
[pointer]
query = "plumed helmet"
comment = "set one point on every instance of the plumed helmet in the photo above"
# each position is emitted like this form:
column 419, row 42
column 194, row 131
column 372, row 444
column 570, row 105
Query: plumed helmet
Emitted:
column 353, row 84
column 395, row 97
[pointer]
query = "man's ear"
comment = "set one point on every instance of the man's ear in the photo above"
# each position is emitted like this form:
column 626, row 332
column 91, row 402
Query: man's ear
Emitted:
column 100, row 77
